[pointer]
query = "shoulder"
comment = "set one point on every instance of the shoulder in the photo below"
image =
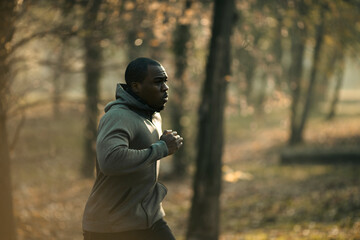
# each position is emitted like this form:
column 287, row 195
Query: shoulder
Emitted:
column 120, row 115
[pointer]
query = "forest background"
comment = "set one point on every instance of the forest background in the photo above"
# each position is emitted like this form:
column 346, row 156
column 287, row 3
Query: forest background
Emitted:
column 288, row 165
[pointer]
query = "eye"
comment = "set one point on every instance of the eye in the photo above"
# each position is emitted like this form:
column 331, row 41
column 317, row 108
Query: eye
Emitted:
column 161, row 81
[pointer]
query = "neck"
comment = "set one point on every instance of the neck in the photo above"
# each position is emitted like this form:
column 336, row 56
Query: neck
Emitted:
column 132, row 93
column 128, row 89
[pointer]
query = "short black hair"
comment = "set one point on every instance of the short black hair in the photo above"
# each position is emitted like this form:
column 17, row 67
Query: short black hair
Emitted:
column 136, row 71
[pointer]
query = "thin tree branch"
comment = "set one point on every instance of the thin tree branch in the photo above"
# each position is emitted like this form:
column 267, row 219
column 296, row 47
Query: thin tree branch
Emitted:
column 22, row 107
column 61, row 30
column 17, row 132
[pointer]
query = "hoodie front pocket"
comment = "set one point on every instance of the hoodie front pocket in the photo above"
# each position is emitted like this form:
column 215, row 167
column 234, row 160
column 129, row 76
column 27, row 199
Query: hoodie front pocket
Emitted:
column 152, row 203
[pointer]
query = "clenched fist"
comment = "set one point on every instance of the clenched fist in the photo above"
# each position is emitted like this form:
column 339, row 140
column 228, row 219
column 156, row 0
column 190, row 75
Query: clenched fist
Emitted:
column 172, row 140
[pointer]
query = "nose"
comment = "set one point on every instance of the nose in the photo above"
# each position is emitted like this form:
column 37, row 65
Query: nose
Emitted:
column 164, row 87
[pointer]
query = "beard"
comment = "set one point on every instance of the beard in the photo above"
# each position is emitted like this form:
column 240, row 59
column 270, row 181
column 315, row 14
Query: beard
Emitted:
column 158, row 109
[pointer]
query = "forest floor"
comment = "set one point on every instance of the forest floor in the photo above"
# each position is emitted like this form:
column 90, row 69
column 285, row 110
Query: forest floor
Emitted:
column 261, row 198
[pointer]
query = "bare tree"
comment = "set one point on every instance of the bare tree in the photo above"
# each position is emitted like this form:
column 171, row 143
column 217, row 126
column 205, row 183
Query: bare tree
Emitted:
column 298, row 34
column 205, row 209
column 299, row 118
column 312, row 81
column 7, row 222
column 338, row 84
column 182, row 37
column 92, row 29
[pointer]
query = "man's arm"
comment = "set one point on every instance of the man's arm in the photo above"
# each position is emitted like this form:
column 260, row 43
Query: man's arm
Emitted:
column 173, row 140
column 116, row 158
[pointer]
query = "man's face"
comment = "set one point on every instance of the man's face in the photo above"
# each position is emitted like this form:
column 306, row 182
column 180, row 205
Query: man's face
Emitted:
column 153, row 90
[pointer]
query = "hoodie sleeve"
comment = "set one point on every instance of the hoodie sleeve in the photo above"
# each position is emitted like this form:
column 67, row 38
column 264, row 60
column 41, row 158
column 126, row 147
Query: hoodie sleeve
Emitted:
column 113, row 152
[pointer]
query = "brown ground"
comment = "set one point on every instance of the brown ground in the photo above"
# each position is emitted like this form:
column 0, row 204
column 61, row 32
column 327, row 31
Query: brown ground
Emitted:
column 261, row 199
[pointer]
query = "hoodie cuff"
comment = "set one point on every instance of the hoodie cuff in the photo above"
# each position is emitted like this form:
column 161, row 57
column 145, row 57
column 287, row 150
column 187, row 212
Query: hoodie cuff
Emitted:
column 161, row 148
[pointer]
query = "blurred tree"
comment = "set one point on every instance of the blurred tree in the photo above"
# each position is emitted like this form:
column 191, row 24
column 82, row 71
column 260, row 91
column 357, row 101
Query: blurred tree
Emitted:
column 297, row 135
column 92, row 35
column 67, row 7
column 7, row 221
column 205, row 209
column 248, row 55
column 58, row 70
column 343, row 37
column 50, row 35
column 248, row 66
column 59, row 67
column 139, row 22
column 181, row 38
column 329, row 60
column 260, row 58
column 57, row 91
column 137, row 35
column 277, row 10
column 340, row 35
column 57, row 57
column 298, row 34
column 336, row 92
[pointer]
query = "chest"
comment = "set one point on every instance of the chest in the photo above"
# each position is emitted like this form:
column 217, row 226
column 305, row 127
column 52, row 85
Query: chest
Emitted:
column 145, row 133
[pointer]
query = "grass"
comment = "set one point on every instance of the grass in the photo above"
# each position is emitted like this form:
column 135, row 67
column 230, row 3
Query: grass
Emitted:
column 261, row 199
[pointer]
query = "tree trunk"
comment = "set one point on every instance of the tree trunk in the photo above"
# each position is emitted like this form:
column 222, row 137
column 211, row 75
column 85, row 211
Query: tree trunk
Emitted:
column 329, row 59
column 205, row 209
column 57, row 89
column 250, row 62
column 278, row 49
column 7, row 221
column 296, row 70
column 298, row 39
column 335, row 96
column 315, row 67
column 93, row 70
column 261, row 95
column 181, row 38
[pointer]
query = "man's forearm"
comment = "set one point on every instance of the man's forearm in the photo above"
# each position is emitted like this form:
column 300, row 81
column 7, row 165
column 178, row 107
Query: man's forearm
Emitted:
column 122, row 160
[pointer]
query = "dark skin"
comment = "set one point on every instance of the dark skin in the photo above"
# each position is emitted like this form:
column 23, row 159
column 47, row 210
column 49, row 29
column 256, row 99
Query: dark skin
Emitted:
column 173, row 140
column 153, row 90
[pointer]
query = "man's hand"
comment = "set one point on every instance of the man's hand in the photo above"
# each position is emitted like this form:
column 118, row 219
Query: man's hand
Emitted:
column 172, row 140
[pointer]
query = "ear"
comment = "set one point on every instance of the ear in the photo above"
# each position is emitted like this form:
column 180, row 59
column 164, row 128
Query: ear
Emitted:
column 136, row 87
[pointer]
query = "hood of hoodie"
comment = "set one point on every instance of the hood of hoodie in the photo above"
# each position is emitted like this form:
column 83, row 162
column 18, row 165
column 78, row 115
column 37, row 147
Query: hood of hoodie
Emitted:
column 126, row 98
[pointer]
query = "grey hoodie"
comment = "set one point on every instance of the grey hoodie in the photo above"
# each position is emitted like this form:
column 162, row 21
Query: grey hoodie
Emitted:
column 126, row 194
